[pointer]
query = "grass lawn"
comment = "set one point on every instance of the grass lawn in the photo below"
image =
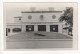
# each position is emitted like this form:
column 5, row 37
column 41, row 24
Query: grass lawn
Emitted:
column 32, row 35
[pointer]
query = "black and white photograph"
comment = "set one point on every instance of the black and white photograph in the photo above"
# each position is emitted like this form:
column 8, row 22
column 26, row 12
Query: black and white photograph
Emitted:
column 39, row 25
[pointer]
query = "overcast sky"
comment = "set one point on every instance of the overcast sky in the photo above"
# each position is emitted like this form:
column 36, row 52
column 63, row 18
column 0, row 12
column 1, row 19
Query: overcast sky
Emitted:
column 12, row 10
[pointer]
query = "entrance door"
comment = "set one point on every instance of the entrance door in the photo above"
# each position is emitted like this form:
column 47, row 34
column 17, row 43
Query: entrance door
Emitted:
column 29, row 28
column 41, row 27
column 54, row 28
column 6, row 32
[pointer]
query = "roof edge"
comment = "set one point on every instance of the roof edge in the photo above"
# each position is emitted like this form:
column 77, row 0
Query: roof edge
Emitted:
column 41, row 11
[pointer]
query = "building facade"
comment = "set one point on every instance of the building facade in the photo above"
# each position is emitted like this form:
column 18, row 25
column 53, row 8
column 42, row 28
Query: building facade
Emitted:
column 35, row 21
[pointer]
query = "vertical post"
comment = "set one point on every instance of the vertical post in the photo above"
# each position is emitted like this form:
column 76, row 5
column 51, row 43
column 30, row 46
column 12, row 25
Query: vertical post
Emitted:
column 11, row 30
column 6, row 32
column 47, row 28
column 67, row 32
column 60, row 28
column 23, row 28
column 35, row 27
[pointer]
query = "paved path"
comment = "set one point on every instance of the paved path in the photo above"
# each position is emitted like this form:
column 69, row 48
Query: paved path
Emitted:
column 41, row 44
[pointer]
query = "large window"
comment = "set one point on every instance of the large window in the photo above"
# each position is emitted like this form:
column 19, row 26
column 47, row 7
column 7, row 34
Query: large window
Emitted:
column 29, row 17
column 41, row 27
column 41, row 17
column 16, row 29
column 53, row 16
column 29, row 28
column 54, row 28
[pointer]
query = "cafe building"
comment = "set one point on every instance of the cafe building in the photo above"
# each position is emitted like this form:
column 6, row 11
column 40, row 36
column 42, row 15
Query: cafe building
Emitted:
column 36, row 21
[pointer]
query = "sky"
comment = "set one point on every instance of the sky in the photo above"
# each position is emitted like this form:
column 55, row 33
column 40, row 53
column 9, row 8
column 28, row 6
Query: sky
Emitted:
column 12, row 10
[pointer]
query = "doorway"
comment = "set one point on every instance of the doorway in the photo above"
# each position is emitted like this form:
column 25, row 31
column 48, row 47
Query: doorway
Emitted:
column 53, row 28
column 41, row 27
column 29, row 28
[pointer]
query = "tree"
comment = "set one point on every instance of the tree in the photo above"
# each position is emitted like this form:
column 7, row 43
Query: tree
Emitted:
column 67, row 16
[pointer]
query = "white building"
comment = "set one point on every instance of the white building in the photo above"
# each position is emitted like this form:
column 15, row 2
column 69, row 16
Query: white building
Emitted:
column 30, row 21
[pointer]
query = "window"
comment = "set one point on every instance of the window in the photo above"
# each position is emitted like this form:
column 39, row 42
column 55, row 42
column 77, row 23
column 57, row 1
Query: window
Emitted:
column 16, row 29
column 41, row 17
column 53, row 16
column 8, row 30
column 29, row 28
column 29, row 17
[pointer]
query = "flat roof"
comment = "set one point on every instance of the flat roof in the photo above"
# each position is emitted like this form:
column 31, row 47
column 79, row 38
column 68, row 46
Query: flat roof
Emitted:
column 41, row 11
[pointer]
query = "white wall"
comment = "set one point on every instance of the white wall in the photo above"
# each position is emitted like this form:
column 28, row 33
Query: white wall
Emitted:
column 36, row 17
column 23, row 28
column 16, row 20
column 47, row 28
column 60, row 28
column 35, row 27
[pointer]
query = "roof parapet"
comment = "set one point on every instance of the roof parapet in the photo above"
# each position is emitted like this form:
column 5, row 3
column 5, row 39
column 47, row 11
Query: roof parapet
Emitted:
column 41, row 11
